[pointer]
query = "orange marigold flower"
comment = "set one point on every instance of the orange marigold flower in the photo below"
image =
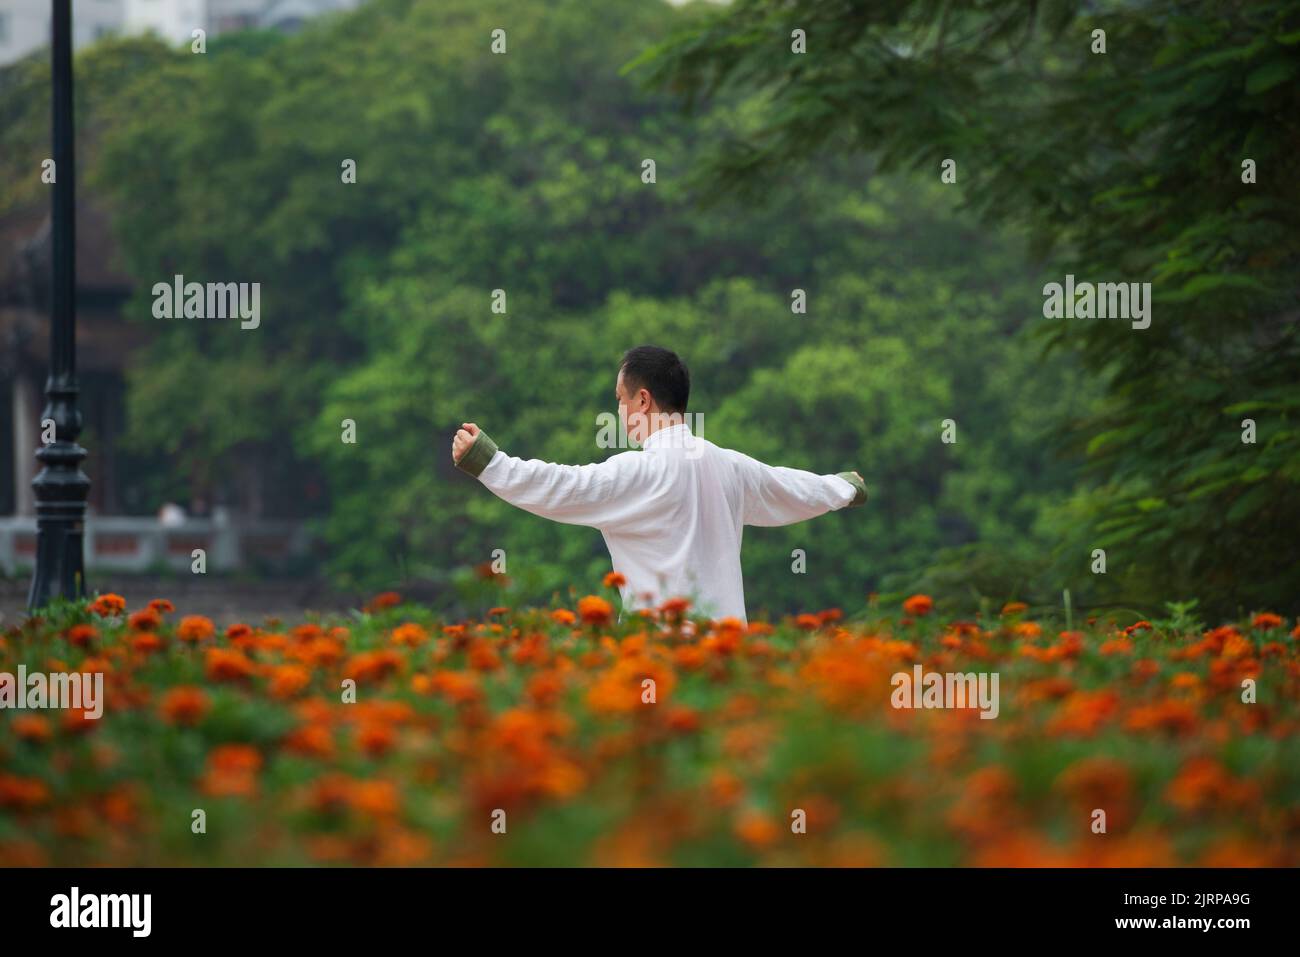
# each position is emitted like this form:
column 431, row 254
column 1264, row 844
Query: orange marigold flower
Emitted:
column 232, row 771
column 1028, row 629
column 310, row 741
column 195, row 628
column 146, row 642
column 371, row 666
column 375, row 798
column 1082, row 713
column 1204, row 784
column 376, row 739
column 315, row 711
column 78, row 720
column 288, row 681
column 1145, row 668
column 563, row 616
column 1014, row 608
column 725, row 788
column 235, row 757
column 723, row 641
column 757, row 830
column 107, row 605
column 33, row 728
column 1215, row 638
column 185, row 705
column 402, row 847
column 482, row 657
column 531, row 650
column 272, row 642
column 1237, row 646
column 1176, row 717
column 382, row 711
column 683, row 719
column 22, row 794
column 329, row 793
column 1137, row 626
column 594, row 610
column 308, row 631
column 146, row 619
column 615, row 580
column 239, row 630
column 807, row 622
column 385, row 599
column 409, row 634
column 226, row 664
column 733, row 624
column 82, row 635
column 162, row 606
column 675, row 607
column 322, row 651
column 622, row 688
column 918, row 605
column 689, row 657
column 1266, row 621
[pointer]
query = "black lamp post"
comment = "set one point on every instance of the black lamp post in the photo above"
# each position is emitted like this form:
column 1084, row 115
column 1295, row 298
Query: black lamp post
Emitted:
column 61, row 487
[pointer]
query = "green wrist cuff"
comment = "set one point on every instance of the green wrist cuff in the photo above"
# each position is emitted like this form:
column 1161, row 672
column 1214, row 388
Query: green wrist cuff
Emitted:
column 859, row 488
column 479, row 455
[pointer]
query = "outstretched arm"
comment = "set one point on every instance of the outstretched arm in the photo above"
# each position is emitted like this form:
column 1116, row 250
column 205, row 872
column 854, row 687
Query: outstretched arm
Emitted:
column 597, row 495
column 774, row 495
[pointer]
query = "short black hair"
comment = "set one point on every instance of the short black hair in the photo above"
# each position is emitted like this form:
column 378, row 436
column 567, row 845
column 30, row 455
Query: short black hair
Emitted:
column 661, row 373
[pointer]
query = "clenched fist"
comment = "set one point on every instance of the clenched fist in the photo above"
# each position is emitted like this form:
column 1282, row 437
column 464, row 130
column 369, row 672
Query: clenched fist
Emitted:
column 465, row 437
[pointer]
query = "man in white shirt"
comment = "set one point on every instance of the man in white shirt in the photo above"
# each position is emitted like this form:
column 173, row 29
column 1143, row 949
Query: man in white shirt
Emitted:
column 673, row 513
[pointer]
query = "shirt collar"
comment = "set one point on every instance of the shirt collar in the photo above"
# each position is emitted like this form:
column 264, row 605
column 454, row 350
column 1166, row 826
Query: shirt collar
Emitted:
column 668, row 433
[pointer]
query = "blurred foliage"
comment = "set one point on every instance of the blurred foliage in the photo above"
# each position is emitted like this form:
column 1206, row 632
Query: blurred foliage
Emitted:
column 521, row 172
column 1125, row 165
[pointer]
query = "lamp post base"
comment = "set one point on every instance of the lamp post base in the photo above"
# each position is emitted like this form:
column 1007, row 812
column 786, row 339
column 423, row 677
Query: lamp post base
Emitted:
column 61, row 488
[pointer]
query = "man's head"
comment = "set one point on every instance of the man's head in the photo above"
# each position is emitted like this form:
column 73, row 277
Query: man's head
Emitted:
column 653, row 388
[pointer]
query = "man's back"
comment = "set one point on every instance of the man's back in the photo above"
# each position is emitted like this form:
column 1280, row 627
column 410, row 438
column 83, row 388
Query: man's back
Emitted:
column 685, row 540
column 673, row 514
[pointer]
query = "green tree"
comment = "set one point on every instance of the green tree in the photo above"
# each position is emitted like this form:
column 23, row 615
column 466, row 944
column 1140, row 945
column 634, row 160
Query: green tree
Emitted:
column 1126, row 165
column 522, row 172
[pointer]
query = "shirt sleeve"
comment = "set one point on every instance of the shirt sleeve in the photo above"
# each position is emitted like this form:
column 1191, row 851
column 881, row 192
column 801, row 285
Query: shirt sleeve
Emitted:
column 600, row 495
column 775, row 495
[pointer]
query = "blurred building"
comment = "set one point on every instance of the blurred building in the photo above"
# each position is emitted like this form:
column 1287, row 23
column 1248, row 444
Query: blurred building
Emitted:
column 123, row 531
column 122, row 534
column 25, row 24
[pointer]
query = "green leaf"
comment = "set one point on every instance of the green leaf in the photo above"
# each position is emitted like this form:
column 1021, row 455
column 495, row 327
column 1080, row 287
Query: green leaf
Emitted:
column 1269, row 75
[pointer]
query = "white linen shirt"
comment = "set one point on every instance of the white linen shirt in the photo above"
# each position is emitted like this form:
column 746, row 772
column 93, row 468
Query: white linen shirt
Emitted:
column 672, row 514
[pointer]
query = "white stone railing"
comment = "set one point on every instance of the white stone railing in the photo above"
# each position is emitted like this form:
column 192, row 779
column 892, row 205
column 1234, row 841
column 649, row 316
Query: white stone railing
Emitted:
column 123, row 543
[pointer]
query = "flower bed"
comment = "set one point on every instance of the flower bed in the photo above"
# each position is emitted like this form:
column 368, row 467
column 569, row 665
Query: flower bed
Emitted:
column 559, row 736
